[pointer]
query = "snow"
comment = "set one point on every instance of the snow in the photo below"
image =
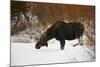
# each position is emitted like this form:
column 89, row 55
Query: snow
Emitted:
column 26, row 54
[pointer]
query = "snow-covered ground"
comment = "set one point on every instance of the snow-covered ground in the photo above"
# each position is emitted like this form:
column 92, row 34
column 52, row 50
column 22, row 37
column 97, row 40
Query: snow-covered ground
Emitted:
column 26, row 54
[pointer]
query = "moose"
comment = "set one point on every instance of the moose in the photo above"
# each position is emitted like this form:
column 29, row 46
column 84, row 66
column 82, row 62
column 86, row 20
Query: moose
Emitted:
column 62, row 31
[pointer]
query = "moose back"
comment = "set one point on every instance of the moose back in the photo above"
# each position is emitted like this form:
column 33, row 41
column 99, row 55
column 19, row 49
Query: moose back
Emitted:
column 62, row 31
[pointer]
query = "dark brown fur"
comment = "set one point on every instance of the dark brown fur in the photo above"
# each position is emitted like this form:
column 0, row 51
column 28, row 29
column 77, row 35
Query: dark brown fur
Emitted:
column 62, row 31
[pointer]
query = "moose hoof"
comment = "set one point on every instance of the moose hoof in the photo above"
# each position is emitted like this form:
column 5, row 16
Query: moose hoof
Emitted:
column 81, row 44
column 62, row 48
column 75, row 45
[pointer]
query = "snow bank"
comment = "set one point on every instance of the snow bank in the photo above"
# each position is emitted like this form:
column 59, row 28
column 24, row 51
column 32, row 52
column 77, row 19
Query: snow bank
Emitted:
column 26, row 54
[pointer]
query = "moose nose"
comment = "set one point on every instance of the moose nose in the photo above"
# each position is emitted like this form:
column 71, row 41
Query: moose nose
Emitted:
column 37, row 47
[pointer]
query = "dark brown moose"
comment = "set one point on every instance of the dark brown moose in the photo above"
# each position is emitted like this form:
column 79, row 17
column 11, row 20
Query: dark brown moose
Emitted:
column 62, row 31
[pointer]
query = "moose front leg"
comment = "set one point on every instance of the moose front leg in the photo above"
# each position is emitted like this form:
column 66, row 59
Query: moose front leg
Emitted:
column 62, row 44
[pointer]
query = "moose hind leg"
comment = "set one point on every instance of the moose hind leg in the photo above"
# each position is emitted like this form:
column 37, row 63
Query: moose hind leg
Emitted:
column 62, row 44
column 81, row 40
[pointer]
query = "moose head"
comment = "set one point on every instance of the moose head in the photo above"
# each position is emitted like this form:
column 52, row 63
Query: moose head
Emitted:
column 41, row 42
